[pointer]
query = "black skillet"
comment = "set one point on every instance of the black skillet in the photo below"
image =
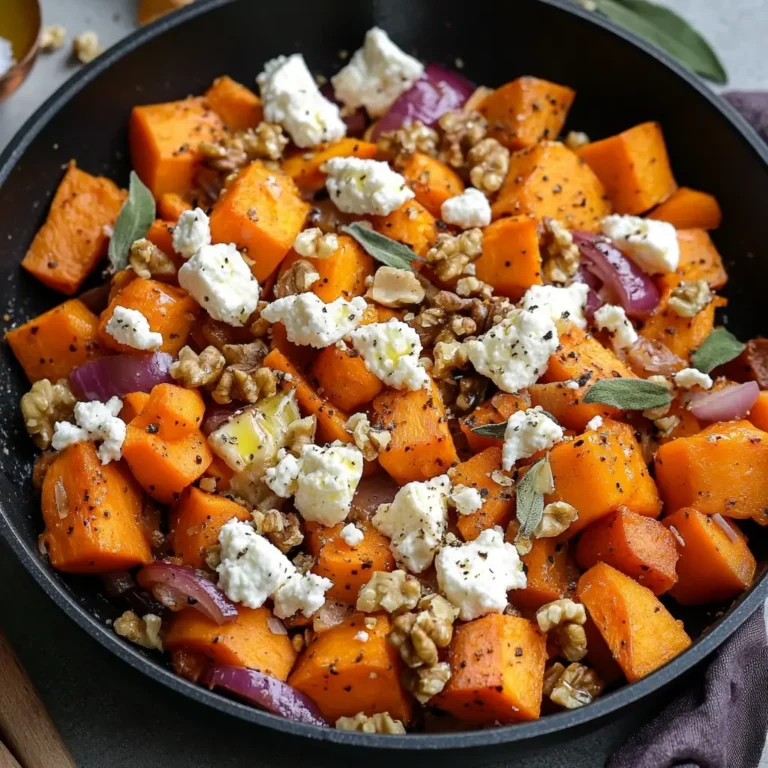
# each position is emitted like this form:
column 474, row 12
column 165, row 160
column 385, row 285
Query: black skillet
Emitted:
column 620, row 82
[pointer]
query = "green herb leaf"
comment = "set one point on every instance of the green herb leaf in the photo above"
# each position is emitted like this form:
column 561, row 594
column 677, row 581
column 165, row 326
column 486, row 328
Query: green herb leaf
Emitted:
column 628, row 394
column 670, row 32
column 382, row 248
column 529, row 498
column 133, row 222
column 491, row 430
column 719, row 347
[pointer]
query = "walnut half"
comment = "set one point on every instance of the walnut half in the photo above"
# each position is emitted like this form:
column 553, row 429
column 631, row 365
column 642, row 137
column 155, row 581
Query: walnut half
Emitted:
column 389, row 591
column 142, row 631
column 381, row 722
column 564, row 620
column 576, row 686
column 43, row 406
column 417, row 636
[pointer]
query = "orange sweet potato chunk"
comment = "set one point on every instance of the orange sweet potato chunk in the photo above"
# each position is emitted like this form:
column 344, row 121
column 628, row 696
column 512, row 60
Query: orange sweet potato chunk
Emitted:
column 511, row 261
column 722, row 469
column 164, row 141
column 432, row 182
column 640, row 632
column 712, row 565
column 634, row 168
column 238, row 107
column 497, row 671
column 92, row 514
column 689, row 208
column 638, row 546
column 566, row 405
column 248, row 641
column 161, row 234
column 73, row 239
column 344, row 379
column 493, row 411
column 170, row 206
column 759, row 413
column 261, row 211
column 52, row 345
column 526, row 111
column 304, row 167
column 550, row 180
column 699, row 260
column 133, row 405
column 411, row 224
column 344, row 676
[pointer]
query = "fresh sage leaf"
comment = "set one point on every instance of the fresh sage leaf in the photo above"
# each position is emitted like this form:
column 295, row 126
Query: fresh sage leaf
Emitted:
column 133, row 222
column 529, row 498
column 382, row 248
column 491, row 430
column 669, row 31
column 720, row 347
column 628, row 394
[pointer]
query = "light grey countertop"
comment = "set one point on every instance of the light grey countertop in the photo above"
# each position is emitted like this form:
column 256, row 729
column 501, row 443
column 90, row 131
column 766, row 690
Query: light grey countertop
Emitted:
column 114, row 717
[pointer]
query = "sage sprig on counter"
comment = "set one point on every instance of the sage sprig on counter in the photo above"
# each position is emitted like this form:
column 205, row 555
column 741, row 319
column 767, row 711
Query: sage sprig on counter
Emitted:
column 720, row 347
column 628, row 394
column 384, row 249
column 133, row 222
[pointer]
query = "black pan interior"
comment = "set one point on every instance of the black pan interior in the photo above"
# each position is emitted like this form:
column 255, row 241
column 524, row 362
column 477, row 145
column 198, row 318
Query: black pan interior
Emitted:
column 618, row 83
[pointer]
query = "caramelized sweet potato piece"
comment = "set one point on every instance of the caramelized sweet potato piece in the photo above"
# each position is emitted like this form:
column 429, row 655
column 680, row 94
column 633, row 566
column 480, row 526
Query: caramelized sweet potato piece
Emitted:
column 633, row 166
column 699, row 260
column 74, row 237
column 750, row 365
column 411, row 224
column 639, row 630
column 133, row 405
column 92, row 514
column 496, row 410
column 432, row 182
column 238, row 107
column 161, row 234
column 638, row 546
column 566, row 405
column 170, row 206
column 304, row 167
column 759, row 413
column 344, row 379
column 497, row 671
column 550, row 180
column 688, row 208
column 713, row 565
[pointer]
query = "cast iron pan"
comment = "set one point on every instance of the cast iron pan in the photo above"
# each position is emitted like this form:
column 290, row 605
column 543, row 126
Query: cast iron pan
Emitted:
column 620, row 82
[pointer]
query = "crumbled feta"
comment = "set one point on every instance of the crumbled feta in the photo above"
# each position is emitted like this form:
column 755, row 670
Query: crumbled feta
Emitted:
column 365, row 187
column 362, row 636
column 651, row 244
column 565, row 305
column 415, row 522
column 95, row 421
column 376, row 74
column 351, row 534
column 252, row 570
column 594, row 424
column 465, row 500
column 391, row 352
column 476, row 576
column 191, row 232
column 527, row 432
column 281, row 479
column 614, row 320
column 514, row 353
column 131, row 327
column 220, row 281
column 689, row 378
column 291, row 98
column 467, row 210
column 309, row 321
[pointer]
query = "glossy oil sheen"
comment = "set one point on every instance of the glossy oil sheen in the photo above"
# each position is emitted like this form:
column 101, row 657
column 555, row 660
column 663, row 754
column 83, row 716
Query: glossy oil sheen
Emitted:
column 619, row 83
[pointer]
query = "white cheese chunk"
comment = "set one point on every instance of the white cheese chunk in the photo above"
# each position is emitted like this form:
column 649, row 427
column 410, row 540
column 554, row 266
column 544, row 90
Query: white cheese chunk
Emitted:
column 362, row 636
column 291, row 98
column 191, row 232
column 614, row 319
column 281, row 479
column 594, row 424
column 528, row 432
column 365, row 187
column 466, row 500
column 467, row 210
column 351, row 534
column 376, row 75
column 303, row 592
column 131, row 327
column 689, row 378
column 95, row 421
column 651, row 244
column 564, row 305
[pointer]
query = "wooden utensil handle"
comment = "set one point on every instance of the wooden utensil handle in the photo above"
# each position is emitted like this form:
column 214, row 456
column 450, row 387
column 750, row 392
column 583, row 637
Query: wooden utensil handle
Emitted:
column 25, row 725
column 7, row 760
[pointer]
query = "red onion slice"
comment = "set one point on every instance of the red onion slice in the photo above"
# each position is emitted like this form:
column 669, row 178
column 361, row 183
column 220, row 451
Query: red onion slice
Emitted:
column 265, row 692
column 196, row 591
column 119, row 375
column 728, row 404
column 356, row 121
column 439, row 90
column 216, row 415
column 622, row 281
column 648, row 356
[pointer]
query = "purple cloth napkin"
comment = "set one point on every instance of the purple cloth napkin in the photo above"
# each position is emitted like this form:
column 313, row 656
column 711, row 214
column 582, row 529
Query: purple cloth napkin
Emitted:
column 723, row 722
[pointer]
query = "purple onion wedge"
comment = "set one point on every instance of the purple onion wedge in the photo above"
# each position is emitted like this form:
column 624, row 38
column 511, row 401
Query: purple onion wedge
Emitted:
column 727, row 404
column 118, row 375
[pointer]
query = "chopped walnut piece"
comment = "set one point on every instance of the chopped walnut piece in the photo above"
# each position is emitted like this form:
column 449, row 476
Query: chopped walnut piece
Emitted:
column 297, row 641
column 472, row 288
column 43, row 406
column 426, row 682
column 561, row 254
column 283, row 530
column 213, row 557
column 417, row 636
column 245, row 378
column 395, row 288
column 451, row 253
column 576, row 140
column 40, row 469
column 381, row 722
column 198, row 370
column 208, row 484
column 472, row 391
column 260, row 327
column 666, row 425
column 300, row 433
column 369, row 441
column 449, row 355
column 52, row 38
column 461, row 131
column 557, row 517
column 236, row 150
column 86, row 47
column 298, row 278
column 313, row 243
column 148, row 261
column 450, row 317
column 389, row 591
column 488, row 163
column 565, row 620
column 402, row 143
column 304, row 563
column 142, row 631
column 552, row 675
column 578, row 685
column 689, row 297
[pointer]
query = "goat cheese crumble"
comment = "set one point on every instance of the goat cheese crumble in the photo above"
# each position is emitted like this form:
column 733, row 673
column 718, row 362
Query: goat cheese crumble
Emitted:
column 689, row 378
column 365, row 187
column 614, row 320
column 415, row 522
column 476, row 576
column 651, row 244
column 351, row 534
column 565, row 305
column 514, row 353
column 467, row 210
column 95, row 421
column 528, row 432
column 291, row 98
column 594, row 424
column 191, row 232
column 309, row 321
column 465, row 500
column 220, row 281
column 131, row 327
column 376, row 75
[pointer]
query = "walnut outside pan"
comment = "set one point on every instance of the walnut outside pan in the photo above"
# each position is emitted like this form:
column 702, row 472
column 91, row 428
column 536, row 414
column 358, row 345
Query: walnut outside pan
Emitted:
column 619, row 81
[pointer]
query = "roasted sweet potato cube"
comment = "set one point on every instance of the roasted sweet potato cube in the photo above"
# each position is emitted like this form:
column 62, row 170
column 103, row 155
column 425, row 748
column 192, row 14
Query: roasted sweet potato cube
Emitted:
column 304, row 167
column 411, row 224
column 432, row 182
column 493, row 411
column 238, row 107
column 689, row 208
